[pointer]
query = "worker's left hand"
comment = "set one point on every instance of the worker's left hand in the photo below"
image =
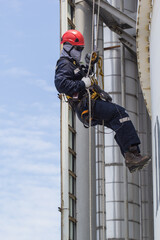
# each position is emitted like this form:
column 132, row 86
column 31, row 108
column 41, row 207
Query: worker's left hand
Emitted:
column 87, row 81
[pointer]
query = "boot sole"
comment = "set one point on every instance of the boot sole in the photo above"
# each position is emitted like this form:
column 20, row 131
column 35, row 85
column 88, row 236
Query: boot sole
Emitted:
column 143, row 166
column 138, row 168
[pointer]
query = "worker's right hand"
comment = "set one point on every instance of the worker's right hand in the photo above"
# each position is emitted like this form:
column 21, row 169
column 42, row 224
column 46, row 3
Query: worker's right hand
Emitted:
column 87, row 81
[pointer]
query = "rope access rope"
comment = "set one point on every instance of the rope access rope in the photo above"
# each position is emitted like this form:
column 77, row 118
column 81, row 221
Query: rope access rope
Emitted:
column 90, row 156
column 89, row 96
column 103, row 160
column 90, row 139
column 97, row 22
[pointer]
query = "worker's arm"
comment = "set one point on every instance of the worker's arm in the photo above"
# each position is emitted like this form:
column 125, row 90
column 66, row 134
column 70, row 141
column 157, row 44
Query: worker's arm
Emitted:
column 65, row 81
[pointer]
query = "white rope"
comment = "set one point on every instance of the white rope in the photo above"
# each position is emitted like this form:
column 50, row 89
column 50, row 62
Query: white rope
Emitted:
column 90, row 137
column 103, row 189
column 99, row 131
column 90, row 167
column 103, row 160
column 92, row 42
column 97, row 22
column 93, row 25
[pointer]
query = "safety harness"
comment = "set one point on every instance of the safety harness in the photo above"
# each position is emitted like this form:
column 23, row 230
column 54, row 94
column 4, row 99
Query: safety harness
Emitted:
column 81, row 104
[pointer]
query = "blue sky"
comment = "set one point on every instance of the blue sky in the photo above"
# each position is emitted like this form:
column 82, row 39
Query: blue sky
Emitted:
column 29, row 120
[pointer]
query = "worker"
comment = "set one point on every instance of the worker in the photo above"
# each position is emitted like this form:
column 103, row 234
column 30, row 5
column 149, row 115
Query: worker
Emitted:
column 72, row 79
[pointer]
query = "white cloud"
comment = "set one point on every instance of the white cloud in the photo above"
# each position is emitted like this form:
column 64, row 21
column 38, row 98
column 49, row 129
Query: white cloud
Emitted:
column 33, row 212
column 49, row 169
column 41, row 83
column 15, row 72
column 33, row 142
column 30, row 174
column 29, row 206
column 27, row 143
column 30, row 78
column 29, row 134
column 37, row 116
column 40, row 121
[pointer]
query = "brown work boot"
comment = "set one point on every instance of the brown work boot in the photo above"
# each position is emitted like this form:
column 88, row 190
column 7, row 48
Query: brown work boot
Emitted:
column 134, row 160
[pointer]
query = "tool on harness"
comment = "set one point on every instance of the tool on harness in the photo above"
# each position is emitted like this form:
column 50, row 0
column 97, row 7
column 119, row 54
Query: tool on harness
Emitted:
column 83, row 105
column 102, row 94
column 85, row 118
column 99, row 71
column 94, row 58
column 82, row 108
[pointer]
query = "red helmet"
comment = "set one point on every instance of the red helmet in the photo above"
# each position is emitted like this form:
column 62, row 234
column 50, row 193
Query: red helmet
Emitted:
column 73, row 37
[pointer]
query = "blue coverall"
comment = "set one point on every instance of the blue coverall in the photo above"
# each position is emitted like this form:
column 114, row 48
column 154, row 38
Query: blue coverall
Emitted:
column 68, row 77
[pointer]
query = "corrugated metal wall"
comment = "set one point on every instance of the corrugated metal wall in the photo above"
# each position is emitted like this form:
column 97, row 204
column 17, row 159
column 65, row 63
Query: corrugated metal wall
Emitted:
column 137, row 202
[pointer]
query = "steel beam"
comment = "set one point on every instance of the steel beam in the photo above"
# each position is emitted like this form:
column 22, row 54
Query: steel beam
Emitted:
column 109, row 17
column 117, row 13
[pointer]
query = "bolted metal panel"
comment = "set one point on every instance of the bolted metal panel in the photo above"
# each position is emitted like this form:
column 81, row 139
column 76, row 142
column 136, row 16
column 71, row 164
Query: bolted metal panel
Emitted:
column 64, row 144
column 116, row 203
column 146, row 174
column 155, row 97
column 143, row 51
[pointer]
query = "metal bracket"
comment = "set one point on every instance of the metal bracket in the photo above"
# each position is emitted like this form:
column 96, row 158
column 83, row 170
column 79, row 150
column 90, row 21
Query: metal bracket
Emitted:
column 117, row 21
column 117, row 14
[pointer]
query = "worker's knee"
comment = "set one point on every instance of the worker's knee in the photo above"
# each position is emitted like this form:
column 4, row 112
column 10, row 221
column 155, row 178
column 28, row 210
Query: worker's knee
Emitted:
column 121, row 114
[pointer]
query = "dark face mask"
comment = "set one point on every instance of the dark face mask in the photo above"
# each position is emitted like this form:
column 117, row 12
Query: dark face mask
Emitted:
column 79, row 48
column 75, row 54
column 73, row 51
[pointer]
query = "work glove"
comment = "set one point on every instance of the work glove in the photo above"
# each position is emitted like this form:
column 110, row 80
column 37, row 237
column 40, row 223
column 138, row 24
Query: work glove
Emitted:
column 87, row 81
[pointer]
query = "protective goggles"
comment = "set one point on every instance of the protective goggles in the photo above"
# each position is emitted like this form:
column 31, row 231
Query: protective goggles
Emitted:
column 79, row 48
